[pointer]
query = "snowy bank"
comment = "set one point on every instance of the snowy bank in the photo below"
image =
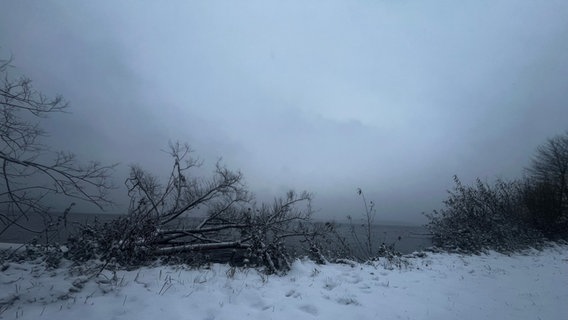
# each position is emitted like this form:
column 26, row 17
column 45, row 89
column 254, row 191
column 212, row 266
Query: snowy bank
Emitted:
column 439, row 286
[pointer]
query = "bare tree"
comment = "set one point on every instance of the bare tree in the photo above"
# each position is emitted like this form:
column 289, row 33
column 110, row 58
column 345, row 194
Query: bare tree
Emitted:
column 547, row 190
column 222, row 211
column 31, row 172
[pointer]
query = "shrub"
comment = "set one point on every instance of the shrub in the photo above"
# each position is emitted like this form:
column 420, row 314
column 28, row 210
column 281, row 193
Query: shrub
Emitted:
column 482, row 217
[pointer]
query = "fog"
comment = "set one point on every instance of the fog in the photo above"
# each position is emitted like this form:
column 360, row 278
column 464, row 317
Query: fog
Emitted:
column 394, row 97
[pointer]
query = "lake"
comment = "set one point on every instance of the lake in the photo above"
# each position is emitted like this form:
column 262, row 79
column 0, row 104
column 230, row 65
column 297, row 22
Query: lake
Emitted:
column 405, row 239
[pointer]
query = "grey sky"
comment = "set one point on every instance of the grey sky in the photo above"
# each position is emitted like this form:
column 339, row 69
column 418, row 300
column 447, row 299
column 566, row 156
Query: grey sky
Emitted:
column 391, row 96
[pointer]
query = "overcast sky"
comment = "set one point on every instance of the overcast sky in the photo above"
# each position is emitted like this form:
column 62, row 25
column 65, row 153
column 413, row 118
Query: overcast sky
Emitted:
column 393, row 97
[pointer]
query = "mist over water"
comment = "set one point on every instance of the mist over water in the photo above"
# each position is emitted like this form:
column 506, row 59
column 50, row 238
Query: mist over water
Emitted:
column 393, row 97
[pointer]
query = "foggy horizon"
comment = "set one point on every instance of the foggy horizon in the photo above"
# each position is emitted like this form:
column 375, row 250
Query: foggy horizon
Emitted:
column 391, row 97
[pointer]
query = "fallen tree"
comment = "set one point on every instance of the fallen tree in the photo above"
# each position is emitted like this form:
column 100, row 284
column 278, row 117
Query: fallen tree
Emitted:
column 188, row 216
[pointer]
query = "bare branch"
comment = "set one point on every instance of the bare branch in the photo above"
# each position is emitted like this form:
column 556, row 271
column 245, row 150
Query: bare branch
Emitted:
column 204, row 247
column 28, row 177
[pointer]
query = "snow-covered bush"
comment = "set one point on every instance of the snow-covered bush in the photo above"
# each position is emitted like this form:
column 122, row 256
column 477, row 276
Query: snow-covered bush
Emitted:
column 124, row 240
column 482, row 217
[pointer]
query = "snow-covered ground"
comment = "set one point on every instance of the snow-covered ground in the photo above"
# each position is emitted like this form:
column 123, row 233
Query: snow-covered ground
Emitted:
column 439, row 286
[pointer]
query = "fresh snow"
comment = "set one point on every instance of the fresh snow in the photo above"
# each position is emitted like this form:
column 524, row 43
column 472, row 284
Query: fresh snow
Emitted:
column 532, row 285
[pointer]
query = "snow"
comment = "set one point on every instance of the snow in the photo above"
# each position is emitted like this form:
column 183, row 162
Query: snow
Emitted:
column 532, row 285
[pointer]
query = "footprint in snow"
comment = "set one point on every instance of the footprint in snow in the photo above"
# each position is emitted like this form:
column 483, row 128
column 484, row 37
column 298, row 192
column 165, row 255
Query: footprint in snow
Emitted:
column 330, row 284
column 355, row 279
column 348, row 301
column 308, row 308
column 365, row 288
column 292, row 293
